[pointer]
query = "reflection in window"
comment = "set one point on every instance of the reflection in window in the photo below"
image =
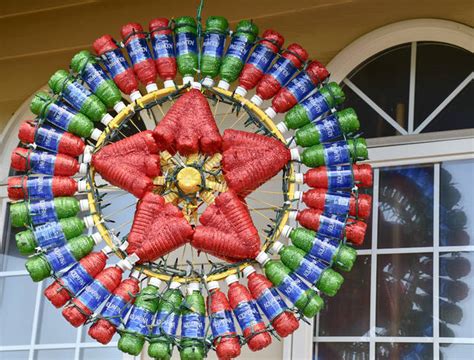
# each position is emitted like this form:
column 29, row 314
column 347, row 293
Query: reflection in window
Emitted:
column 353, row 351
column 390, row 351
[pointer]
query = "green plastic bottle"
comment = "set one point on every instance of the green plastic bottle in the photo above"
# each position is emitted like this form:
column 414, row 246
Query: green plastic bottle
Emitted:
column 328, row 129
column 63, row 116
column 43, row 211
column 335, row 153
column 43, row 265
column 312, row 270
column 140, row 319
column 79, row 97
column 313, row 107
column 166, row 323
column 304, row 298
column 237, row 52
column 193, row 325
column 186, row 47
column 86, row 66
column 213, row 47
column 51, row 235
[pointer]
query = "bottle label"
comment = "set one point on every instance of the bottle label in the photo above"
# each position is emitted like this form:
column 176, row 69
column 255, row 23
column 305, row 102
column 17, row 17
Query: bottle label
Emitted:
column 328, row 129
column 315, row 106
column 261, row 57
column 324, row 248
column 94, row 76
column 247, row 314
column 60, row 115
column 331, row 226
column 138, row 50
column 339, row 177
column 222, row 323
column 139, row 321
column 192, row 325
column 40, row 187
column 166, row 323
column 42, row 211
column 239, row 47
column 76, row 95
column 292, row 287
column 336, row 153
column 115, row 62
column 50, row 235
column 48, row 138
column 163, row 46
column 213, row 45
column 42, row 162
column 282, row 70
column 115, row 309
column 310, row 270
column 337, row 203
column 60, row 258
column 301, row 86
column 186, row 44
column 76, row 278
column 93, row 295
column 271, row 303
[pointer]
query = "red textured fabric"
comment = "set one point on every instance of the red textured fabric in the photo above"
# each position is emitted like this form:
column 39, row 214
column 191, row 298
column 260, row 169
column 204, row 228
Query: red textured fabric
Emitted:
column 145, row 70
column 103, row 330
column 284, row 100
column 237, row 294
column 131, row 163
column 269, row 86
column 226, row 347
column 126, row 81
column 318, row 178
column 355, row 229
column 249, row 160
column 69, row 144
column 284, row 324
column 61, row 186
column 166, row 66
column 251, row 75
column 93, row 263
column 315, row 198
column 76, row 313
column 189, row 127
column 157, row 229
column 64, row 165
column 227, row 230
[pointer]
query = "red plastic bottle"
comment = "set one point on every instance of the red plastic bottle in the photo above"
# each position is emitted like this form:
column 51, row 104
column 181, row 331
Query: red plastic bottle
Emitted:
column 222, row 323
column 140, row 55
column 337, row 177
column 284, row 321
column 163, row 49
column 43, row 187
column 247, row 315
column 280, row 73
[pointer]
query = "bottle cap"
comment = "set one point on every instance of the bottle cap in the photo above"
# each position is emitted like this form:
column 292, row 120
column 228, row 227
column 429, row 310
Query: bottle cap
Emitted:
column 298, row 195
column 154, row 282
column 175, row 285
column 169, row 84
column 249, row 270
column 292, row 215
column 231, row 279
column 291, row 142
column 257, row 100
column 299, row 178
column 348, row 120
column 88, row 221
column 276, row 247
column 196, row 85
column 194, row 286
column 282, row 127
column 82, row 185
column 241, row 91
column 119, row 106
column 295, row 154
column 262, row 258
column 95, row 135
column 223, row 85
column 136, row 274
column 133, row 258
column 124, row 264
column 97, row 237
column 83, row 168
column 151, row 87
column 211, row 285
column 271, row 113
column 286, row 231
column 88, row 149
column 86, row 158
column 106, row 250
column 84, row 204
column 106, row 119
column 135, row 95
column 123, row 247
column 208, row 82
column 187, row 80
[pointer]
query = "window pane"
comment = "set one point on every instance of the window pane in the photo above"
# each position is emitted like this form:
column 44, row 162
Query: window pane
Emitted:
column 353, row 314
column 404, row 295
column 389, row 351
column 10, row 258
column 456, row 351
column 109, row 353
column 352, row 351
column 14, row 355
column 456, row 203
column 59, row 354
column 406, row 207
